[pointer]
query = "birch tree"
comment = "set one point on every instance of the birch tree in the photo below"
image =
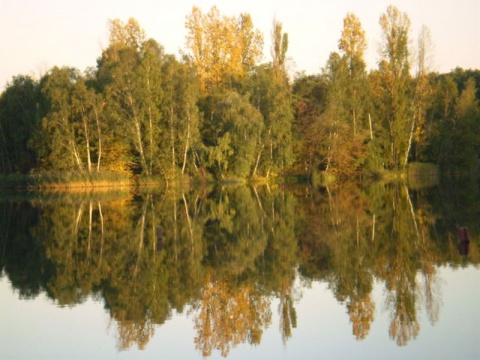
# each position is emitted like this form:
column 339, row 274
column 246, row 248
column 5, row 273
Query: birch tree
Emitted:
column 130, row 71
column 58, row 140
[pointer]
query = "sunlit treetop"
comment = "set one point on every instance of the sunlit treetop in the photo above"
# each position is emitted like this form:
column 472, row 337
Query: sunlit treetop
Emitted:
column 220, row 46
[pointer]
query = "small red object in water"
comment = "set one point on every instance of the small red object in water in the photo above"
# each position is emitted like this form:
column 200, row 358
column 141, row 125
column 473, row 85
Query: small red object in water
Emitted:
column 463, row 234
column 464, row 243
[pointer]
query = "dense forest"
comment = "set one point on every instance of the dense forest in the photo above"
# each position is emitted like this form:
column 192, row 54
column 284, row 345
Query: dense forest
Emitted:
column 219, row 113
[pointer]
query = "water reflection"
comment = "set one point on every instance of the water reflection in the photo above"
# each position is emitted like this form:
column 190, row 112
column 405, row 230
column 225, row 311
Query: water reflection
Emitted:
column 227, row 253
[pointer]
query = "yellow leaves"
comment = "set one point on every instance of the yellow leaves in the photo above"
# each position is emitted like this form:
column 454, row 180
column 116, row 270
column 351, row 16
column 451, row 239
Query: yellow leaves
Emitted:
column 132, row 332
column 352, row 41
column 229, row 315
column 362, row 314
column 221, row 46
column 128, row 34
column 279, row 50
column 395, row 31
column 467, row 102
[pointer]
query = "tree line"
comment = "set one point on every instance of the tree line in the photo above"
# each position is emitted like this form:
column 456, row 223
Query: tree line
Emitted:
column 219, row 112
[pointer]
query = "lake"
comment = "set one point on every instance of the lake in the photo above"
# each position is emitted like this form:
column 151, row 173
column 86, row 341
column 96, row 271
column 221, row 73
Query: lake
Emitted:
column 265, row 272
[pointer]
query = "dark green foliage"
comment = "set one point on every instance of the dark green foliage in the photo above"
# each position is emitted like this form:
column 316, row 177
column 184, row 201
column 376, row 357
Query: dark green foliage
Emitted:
column 231, row 134
column 18, row 118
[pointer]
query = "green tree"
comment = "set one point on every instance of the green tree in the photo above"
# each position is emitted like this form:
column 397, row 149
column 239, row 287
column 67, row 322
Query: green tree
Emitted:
column 58, row 140
column 352, row 45
column 70, row 136
column 309, row 100
column 423, row 96
column 18, row 119
column 459, row 133
column 343, row 150
column 181, row 115
column 273, row 99
column 231, row 133
column 445, row 96
column 129, row 73
column 89, row 106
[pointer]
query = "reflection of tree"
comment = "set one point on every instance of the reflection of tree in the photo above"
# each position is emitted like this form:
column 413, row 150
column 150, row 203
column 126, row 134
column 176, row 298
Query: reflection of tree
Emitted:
column 250, row 238
column 340, row 250
column 351, row 235
column 231, row 251
column 361, row 313
column 431, row 292
column 140, row 290
column 287, row 312
column 401, row 260
column 21, row 256
column 404, row 325
column 74, row 244
column 230, row 315
column 133, row 332
column 280, row 257
column 183, row 222
column 109, row 248
column 235, row 232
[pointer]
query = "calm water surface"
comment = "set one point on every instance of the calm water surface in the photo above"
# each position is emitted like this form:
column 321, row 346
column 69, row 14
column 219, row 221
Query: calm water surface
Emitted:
column 349, row 272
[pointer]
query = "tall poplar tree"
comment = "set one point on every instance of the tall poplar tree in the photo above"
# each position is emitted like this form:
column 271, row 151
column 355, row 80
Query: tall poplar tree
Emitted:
column 423, row 95
column 352, row 45
column 279, row 50
column 344, row 149
column 271, row 94
column 396, row 84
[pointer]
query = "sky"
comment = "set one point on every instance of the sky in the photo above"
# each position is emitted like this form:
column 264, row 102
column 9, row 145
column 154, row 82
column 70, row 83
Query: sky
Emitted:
column 36, row 35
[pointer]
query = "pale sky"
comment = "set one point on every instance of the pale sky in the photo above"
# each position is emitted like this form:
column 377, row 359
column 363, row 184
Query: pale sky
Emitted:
column 36, row 35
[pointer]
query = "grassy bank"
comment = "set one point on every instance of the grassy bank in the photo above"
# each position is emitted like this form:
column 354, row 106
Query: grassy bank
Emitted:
column 64, row 181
